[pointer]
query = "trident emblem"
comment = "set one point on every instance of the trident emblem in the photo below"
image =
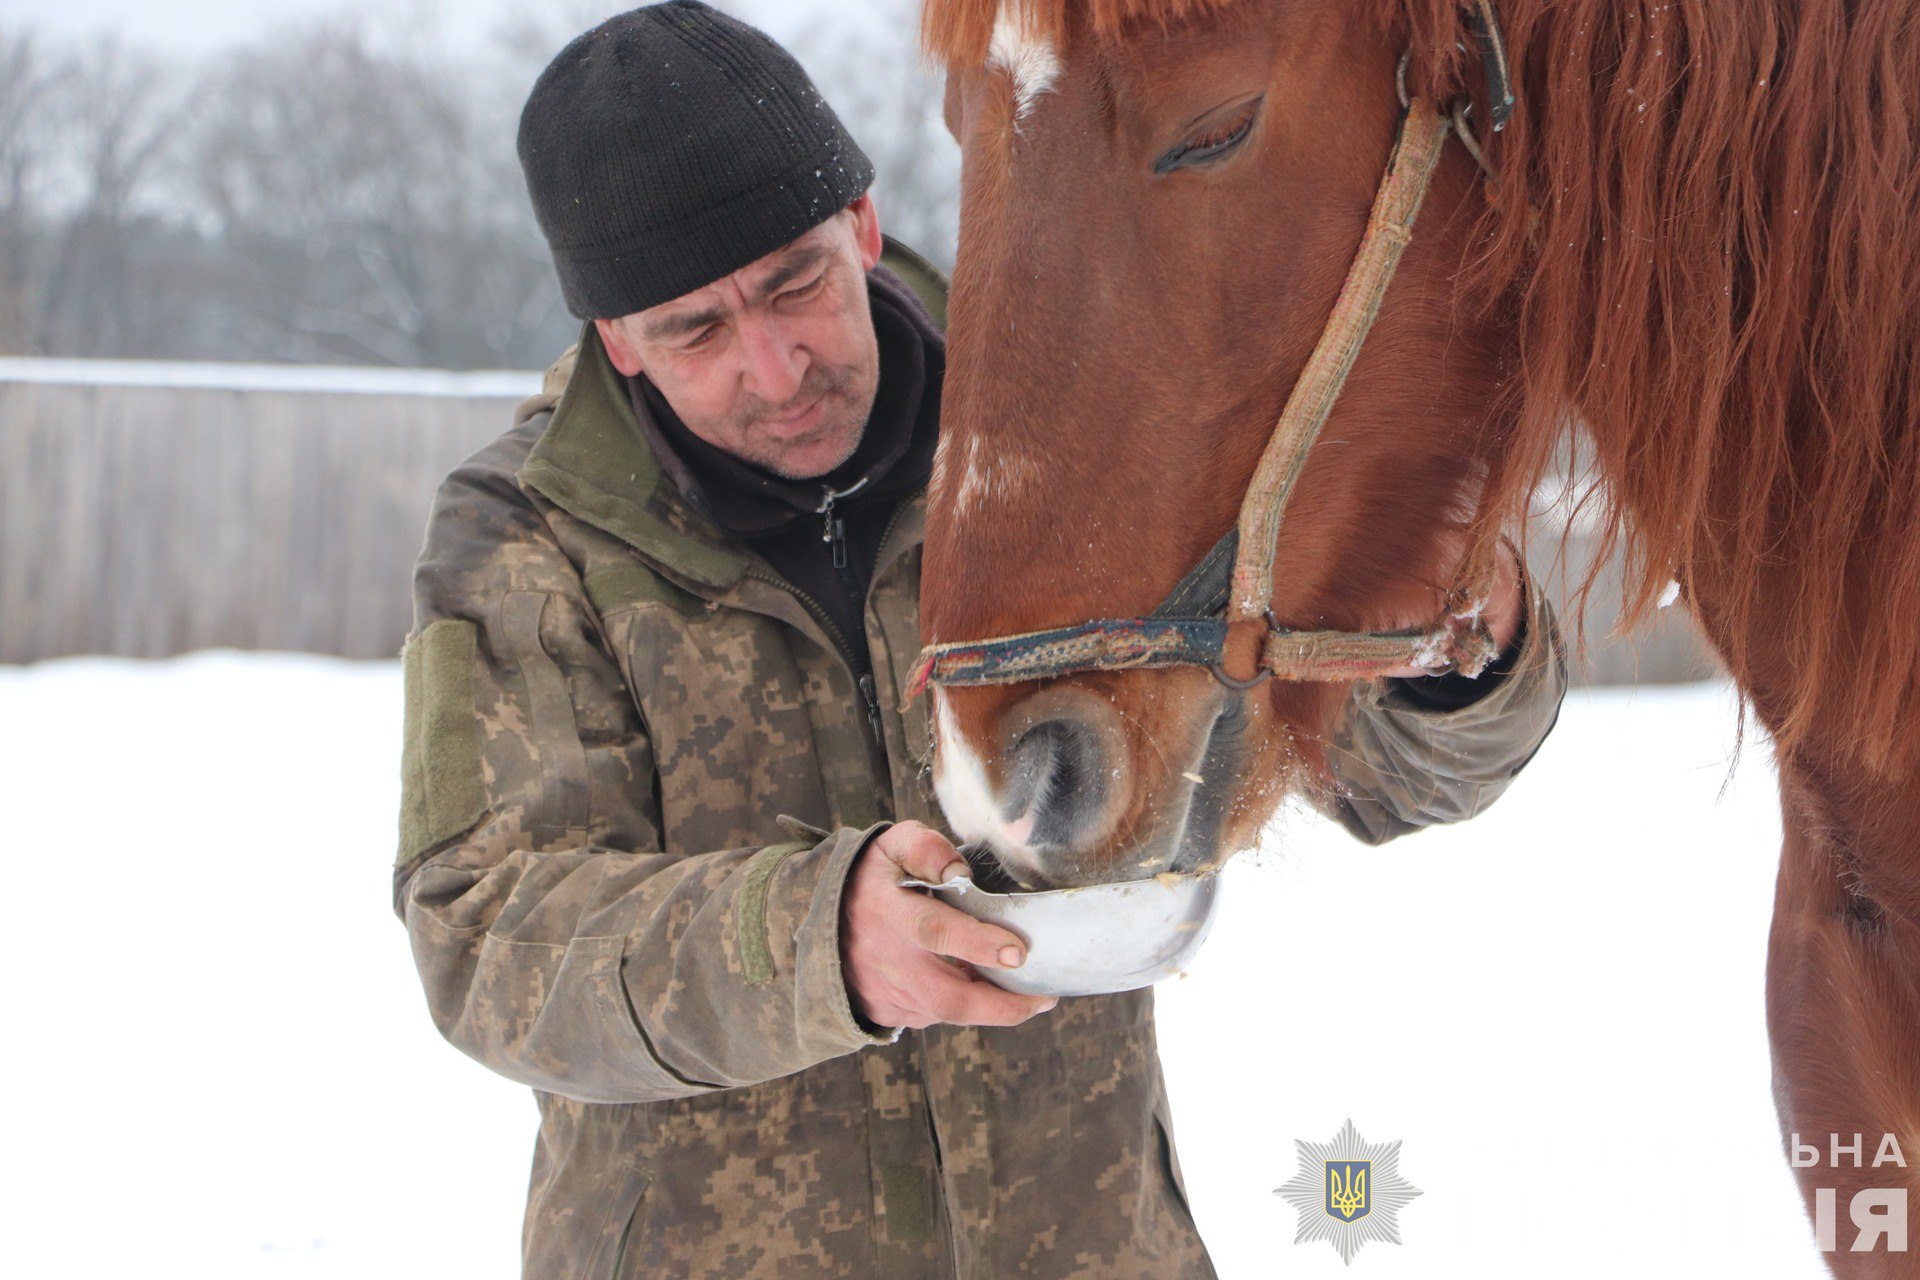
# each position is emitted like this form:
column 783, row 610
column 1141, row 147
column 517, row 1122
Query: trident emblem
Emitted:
column 1347, row 1188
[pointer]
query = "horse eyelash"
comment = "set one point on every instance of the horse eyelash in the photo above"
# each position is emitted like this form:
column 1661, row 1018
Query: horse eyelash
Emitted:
column 1207, row 148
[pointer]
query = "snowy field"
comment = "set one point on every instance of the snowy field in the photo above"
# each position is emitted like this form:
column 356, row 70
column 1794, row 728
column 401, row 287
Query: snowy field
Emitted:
column 223, row 1065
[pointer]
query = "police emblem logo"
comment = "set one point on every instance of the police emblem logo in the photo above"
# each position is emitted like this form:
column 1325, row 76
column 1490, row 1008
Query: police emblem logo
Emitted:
column 1348, row 1191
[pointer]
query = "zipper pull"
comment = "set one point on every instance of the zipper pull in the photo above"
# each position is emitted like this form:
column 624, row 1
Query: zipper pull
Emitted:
column 873, row 707
column 837, row 535
column 835, row 530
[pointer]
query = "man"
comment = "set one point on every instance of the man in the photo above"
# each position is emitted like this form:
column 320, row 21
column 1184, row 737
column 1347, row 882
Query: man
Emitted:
column 658, row 795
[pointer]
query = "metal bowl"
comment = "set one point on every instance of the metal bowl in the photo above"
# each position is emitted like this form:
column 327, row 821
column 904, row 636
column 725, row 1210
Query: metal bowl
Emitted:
column 1090, row 941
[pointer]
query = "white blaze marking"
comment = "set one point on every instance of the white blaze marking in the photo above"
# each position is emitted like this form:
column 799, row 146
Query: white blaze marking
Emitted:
column 985, row 472
column 966, row 796
column 1023, row 54
column 971, row 487
column 941, row 453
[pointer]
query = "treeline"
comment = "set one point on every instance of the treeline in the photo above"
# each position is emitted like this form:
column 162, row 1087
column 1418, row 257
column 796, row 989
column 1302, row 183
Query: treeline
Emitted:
column 344, row 192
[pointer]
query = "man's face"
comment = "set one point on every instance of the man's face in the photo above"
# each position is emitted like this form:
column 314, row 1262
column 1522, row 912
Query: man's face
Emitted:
column 776, row 363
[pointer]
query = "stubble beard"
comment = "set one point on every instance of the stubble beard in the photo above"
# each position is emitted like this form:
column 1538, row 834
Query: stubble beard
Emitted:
column 843, row 417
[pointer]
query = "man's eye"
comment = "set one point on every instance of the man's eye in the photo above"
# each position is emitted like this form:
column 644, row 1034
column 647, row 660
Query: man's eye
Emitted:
column 806, row 290
column 701, row 338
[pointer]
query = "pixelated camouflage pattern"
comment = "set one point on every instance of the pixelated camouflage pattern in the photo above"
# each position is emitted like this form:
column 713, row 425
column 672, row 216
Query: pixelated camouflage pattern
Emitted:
column 643, row 923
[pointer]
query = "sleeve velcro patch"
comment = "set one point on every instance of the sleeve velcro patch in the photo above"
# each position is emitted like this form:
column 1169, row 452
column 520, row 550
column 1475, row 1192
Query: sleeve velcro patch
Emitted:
column 442, row 789
column 750, row 912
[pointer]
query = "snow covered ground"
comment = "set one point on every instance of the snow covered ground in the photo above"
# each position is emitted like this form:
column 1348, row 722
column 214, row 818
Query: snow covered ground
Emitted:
column 222, row 1063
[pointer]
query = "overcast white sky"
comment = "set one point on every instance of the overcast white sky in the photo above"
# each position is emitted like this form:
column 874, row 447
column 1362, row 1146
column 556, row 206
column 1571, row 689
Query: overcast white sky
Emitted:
column 196, row 25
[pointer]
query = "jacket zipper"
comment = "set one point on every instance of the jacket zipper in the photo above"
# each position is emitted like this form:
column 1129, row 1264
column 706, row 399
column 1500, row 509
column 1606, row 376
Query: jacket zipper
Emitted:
column 866, row 681
column 847, row 656
column 836, row 528
column 893, row 522
column 838, row 538
column 835, row 533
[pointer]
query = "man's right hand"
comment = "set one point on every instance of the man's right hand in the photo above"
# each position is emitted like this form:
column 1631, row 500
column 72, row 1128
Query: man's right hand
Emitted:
column 894, row 942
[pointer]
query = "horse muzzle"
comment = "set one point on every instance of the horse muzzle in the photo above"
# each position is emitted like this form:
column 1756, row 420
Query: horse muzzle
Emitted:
column 1054, row 786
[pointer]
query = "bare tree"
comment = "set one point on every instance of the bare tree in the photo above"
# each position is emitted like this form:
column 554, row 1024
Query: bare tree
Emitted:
column 873, row 74
column 348, row 191
column 115, row 111
column 27, row 76
column 362, row 203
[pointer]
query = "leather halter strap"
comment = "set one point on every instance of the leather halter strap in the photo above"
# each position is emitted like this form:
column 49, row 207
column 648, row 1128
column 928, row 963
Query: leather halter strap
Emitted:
column 1234, row 582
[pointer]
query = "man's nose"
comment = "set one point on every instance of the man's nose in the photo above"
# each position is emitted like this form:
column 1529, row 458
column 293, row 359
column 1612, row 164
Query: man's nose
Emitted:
column 776, row 362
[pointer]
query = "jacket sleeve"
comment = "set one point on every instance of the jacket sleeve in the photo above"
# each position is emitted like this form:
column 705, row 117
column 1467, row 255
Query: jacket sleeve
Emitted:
column 1400, row 766
column 556, row 943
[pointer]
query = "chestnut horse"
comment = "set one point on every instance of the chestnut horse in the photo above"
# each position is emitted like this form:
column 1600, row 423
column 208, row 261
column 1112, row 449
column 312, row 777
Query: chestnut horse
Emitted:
column 1698, row 240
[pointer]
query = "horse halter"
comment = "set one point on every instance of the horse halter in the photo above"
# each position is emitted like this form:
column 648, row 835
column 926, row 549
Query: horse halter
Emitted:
column 1233, row 583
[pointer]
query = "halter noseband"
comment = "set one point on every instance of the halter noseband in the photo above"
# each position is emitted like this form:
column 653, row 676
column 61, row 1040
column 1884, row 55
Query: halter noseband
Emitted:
column 1233, row 583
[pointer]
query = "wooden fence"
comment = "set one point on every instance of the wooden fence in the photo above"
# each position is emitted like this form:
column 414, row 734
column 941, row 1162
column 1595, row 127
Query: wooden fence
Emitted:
column 148, row 510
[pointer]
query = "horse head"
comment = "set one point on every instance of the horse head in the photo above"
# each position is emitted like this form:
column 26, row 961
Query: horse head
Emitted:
column 1159, row 207
column 1695, row 241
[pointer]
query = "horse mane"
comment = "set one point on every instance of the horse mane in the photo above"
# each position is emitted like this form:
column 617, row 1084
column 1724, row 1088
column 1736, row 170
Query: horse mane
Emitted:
column 961, row 30
column 1705, row 215
column 1708, row 214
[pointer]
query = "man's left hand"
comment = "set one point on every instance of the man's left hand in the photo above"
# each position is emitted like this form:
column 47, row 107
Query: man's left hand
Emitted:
column 1504, row 602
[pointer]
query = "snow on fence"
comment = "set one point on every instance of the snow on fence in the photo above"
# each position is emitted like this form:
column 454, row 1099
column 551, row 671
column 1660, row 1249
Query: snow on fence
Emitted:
column 149, row 509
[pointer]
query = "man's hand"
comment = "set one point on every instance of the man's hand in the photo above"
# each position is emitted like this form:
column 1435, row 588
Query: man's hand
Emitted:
column 1505, row 600
column 894, row 941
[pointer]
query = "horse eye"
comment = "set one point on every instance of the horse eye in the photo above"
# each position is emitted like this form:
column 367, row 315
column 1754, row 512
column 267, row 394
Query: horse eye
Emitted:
column 1210, row 146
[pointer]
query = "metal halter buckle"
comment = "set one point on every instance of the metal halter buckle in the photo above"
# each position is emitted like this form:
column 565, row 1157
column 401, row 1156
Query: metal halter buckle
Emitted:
column 1262, row 675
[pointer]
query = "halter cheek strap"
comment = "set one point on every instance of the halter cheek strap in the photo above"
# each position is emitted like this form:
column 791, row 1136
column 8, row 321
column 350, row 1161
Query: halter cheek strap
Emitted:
column 1233, row 584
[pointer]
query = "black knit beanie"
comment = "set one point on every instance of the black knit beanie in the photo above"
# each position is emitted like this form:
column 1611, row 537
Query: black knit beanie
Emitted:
column 669, row 147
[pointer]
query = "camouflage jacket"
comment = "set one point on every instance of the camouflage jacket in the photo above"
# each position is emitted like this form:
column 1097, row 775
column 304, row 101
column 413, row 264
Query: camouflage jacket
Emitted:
column 636, row 773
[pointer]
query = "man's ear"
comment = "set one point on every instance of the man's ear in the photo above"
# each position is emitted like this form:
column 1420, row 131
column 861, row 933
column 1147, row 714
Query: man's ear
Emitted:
column 613, row 336
column 866, row 230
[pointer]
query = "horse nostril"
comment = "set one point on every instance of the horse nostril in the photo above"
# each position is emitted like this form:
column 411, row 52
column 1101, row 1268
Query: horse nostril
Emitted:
column 1058, row 782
